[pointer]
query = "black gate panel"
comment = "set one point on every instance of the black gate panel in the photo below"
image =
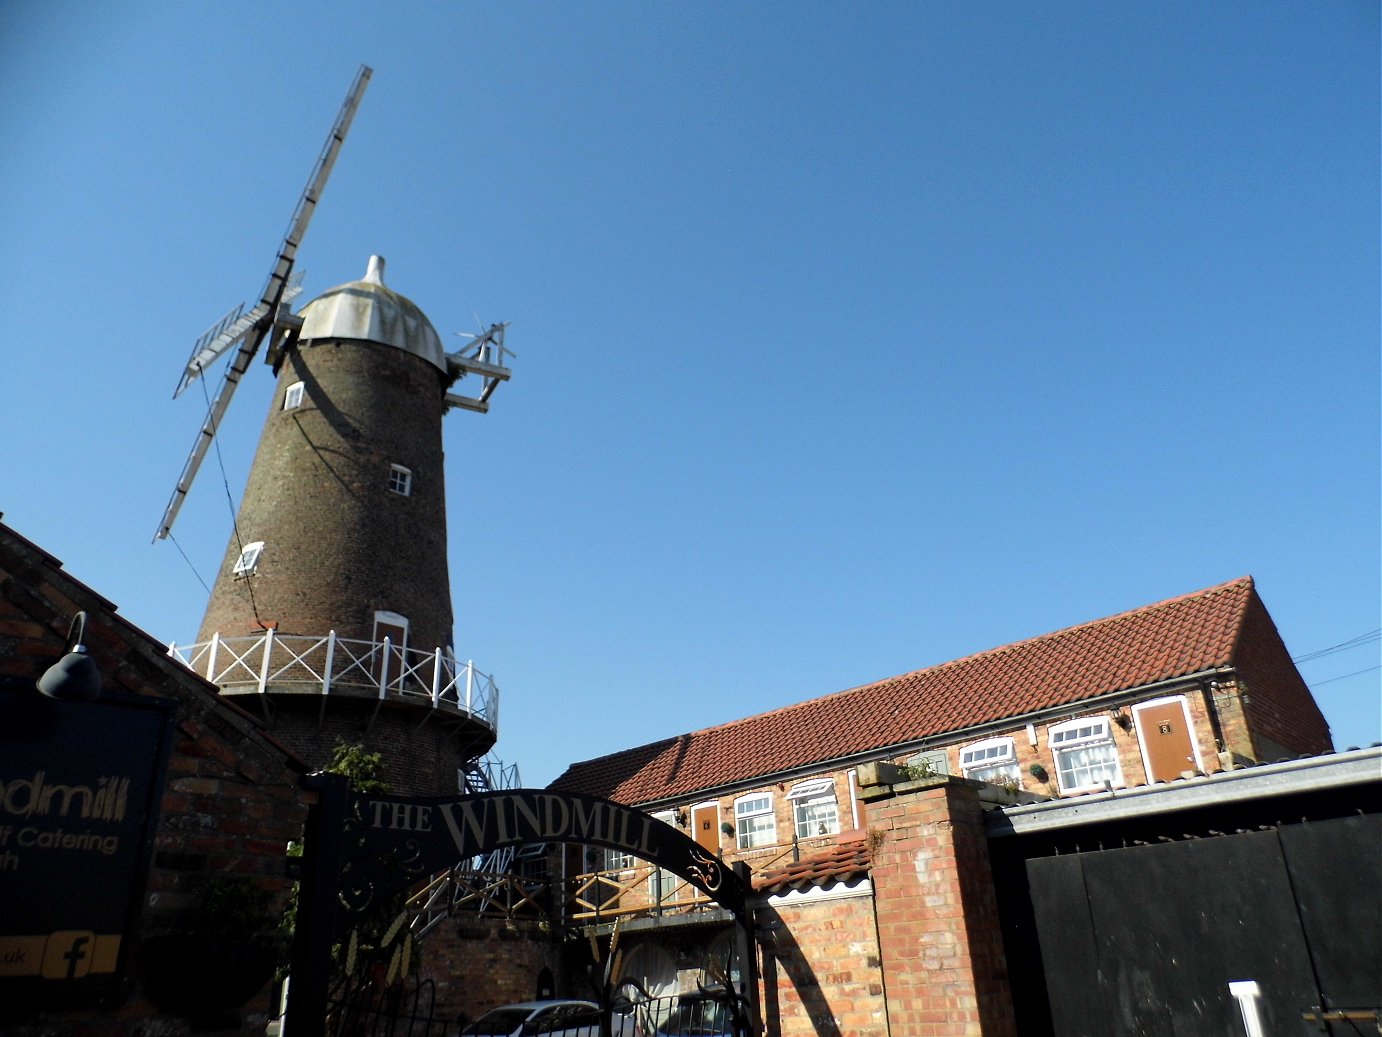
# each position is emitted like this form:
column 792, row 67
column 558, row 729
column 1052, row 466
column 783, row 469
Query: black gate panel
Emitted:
column 1180, row 921
column 1066, row 933
column 1340, row 904
column 1170, row 926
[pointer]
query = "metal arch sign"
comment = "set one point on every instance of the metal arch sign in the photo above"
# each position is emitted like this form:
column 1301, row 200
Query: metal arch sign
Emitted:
column 393, row 842
column 359, row 851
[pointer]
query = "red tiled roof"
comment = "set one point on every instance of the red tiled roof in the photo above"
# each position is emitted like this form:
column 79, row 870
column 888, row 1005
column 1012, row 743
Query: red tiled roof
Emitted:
column 831, row 866
column 1172, row 638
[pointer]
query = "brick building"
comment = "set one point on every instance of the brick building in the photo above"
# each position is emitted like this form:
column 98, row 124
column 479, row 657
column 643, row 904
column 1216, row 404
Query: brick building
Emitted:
column 1197, row 684
column 1194, row 684
column 228, row 805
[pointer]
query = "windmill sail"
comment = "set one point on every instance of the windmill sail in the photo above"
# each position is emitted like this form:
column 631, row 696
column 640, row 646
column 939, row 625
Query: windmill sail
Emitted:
column 248, row 330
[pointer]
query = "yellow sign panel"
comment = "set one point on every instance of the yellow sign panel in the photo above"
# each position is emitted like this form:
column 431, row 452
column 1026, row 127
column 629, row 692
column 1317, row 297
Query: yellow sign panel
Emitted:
column 67, row 954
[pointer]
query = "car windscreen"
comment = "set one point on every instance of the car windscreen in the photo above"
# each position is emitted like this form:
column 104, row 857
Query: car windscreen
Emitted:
column 499, row 1023
column 696, row 1019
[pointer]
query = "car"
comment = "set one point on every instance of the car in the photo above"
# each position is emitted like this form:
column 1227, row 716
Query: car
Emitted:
column 548, row 1018
column 694, row 1015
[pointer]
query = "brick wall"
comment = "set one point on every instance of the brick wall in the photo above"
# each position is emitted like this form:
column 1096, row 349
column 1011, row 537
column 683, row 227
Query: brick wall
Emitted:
column 1030, row 749
column 820, row 961
column 1283, row 715
column 480, row 963
column 230, row 803
column 938, row 931
column 339, row 545
column 420, row 752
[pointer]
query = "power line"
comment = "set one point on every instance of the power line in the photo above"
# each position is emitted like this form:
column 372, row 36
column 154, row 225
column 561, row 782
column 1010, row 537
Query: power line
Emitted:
column 1355, row 673
column 1342, row 646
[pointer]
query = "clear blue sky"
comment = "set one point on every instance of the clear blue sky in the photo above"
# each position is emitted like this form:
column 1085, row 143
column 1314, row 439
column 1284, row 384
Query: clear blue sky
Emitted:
column 852, row 338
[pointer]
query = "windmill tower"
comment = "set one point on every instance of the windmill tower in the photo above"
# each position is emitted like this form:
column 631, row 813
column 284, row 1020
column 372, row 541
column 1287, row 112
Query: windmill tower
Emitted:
column 331, row 612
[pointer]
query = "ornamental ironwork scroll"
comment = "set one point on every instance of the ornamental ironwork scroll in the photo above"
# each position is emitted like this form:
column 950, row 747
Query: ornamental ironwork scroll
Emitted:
column 392, row 843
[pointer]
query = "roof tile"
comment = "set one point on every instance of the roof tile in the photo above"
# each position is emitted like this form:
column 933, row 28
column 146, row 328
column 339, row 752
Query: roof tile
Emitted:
column 1169, row 639
column 835, row 864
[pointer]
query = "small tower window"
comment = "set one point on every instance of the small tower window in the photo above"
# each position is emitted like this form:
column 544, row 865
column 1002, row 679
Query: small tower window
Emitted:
column 401, row 480
column 249, row 558
column 292, row 396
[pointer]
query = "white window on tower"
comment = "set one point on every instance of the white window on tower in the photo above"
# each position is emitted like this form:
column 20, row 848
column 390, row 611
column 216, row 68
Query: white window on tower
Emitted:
column 994, row 761
column 754, row 823
column 1086, row 758
column 249, row 558
column 814, row 810
column 400, row 480
column 292, row 396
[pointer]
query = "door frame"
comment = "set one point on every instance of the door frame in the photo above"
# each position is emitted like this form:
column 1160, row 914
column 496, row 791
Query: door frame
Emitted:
column 1189, row 730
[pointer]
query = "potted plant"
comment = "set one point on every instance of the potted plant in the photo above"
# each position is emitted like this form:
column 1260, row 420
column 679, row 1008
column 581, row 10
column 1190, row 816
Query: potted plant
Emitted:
column 226, row 949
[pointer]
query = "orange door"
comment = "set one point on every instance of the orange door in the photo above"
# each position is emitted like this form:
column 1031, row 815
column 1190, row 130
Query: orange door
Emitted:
column 1166, row 746
column 705, row 827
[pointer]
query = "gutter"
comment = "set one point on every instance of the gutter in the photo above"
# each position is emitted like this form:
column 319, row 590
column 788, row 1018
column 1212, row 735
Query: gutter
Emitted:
column 1065, row 711
column 1354, row 767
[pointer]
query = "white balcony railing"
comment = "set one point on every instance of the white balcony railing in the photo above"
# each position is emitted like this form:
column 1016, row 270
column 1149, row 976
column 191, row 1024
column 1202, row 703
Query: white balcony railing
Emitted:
column 306, row 663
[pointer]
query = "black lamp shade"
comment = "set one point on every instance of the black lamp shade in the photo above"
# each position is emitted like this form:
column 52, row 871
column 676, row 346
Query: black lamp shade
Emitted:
column 73, row 678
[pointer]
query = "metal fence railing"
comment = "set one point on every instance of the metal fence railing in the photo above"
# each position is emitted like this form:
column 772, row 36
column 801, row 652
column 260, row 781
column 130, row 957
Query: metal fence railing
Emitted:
column 328, row 664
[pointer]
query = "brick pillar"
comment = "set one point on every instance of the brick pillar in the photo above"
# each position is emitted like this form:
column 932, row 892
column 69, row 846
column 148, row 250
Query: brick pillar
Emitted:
column 944, row 970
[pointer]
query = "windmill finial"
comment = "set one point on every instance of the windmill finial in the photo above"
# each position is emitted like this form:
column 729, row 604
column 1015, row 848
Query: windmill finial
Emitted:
column 375, row 273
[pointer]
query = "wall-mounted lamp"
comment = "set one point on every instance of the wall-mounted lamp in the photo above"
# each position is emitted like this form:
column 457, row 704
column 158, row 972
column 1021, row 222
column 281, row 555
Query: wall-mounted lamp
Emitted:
column 74, row 677
column 1122, row 719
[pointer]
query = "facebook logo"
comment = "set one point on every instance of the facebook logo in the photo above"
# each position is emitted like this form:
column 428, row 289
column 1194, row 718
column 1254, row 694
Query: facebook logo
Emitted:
column 67, row 954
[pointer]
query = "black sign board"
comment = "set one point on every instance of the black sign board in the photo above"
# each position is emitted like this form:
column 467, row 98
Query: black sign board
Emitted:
column 392, row 842
column 80, row 785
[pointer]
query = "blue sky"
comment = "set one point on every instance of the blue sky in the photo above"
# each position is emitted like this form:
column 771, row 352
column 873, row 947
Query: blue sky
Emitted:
column 851, row 338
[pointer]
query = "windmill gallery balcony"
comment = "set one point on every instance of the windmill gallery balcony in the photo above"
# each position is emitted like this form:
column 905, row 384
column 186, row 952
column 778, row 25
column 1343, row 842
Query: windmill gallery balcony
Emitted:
column 273, row 663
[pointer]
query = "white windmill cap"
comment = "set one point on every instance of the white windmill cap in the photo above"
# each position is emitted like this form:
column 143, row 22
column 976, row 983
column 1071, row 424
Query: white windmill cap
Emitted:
column 368, row 310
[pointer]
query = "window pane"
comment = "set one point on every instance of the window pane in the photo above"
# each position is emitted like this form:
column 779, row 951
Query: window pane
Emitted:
column 994, row 761
column 249, row 557
column 1088, row 766
column 757, row 831
column 753, row 805
column 817, row 816
column 996, row 774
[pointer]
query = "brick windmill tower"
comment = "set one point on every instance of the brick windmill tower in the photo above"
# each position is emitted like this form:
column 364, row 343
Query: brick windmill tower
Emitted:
column 331, row 613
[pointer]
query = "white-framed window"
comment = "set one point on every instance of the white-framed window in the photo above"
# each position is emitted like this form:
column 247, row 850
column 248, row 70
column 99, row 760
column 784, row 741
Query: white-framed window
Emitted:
column 754, row 824
column 618, row 860
column 292, row 396
column 994, row 761
column 664, row 885
column 930, row 762
column 249, row 558
column 1086, row 757
column 814, row 810
column 401, row 480
column 530, row 861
